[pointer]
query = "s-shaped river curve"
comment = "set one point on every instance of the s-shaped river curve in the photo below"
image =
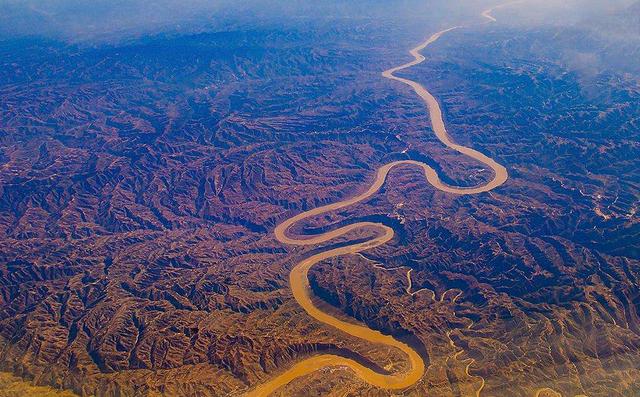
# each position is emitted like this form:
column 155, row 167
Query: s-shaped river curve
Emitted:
column 298, row 278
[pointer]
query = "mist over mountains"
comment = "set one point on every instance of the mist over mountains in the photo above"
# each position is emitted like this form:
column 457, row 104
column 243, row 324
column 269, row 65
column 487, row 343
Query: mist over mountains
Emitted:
column 112, row 21
column 109, row 21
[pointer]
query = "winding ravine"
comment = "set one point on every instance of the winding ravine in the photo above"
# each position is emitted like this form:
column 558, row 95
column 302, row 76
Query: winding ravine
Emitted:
column 298, row 279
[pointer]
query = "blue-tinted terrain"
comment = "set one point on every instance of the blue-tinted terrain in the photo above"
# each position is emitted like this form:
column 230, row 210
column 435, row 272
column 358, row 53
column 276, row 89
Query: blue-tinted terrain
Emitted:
column 145, row 163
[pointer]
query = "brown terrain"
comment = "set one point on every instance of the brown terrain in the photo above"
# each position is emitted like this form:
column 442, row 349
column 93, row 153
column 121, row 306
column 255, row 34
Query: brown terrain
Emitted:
column 141, row 186
column 299, row 277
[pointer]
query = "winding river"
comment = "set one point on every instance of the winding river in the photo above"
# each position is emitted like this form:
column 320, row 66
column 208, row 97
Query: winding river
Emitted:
column 298, row 279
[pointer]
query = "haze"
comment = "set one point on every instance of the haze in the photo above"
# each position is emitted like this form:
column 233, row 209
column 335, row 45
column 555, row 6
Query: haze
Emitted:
column 104, row 20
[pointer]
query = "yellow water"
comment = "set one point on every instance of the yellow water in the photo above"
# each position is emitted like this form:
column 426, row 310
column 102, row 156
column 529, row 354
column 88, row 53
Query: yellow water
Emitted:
column 298, row 278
